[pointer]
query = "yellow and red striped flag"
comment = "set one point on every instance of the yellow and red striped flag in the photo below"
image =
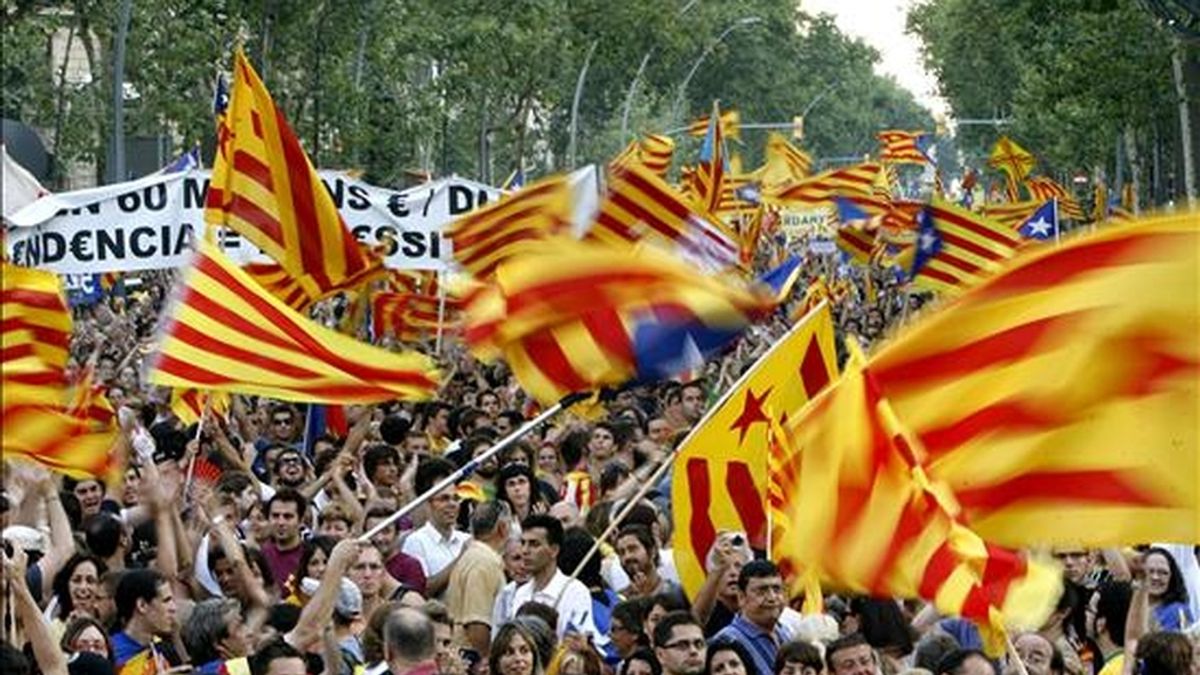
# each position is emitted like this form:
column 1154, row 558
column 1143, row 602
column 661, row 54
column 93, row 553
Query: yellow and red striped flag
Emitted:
column 707, row 181
column 409, row 315
column 265, row 188
column 820, row 190
column 783, row 163
column 34, row 318
column 639, row 207
column 719, row 481
column 863, row 516
column 654, row 152
column 1012, row 214
column 730, row 121
column 88, row 400
column 1059, row 399
column 956, row 249
column 487, row 237
column 1043, row 189
column 904, row 147
column 575, row 315
column 282, row 285
column 227, row 333
column 189, row 404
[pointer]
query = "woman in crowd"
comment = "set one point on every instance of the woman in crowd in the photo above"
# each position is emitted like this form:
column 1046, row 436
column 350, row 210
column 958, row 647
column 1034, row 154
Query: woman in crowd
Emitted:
column 85, row 634
column 514, row 652
column 726, row 657
column 1168, row 595
column 75, row 588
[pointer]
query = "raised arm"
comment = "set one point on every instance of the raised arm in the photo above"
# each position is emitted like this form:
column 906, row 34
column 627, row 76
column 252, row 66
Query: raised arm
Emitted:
column 319, row 611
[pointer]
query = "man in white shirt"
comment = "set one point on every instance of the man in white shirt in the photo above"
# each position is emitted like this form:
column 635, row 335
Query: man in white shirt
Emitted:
column 436, row 544
column 541, row 537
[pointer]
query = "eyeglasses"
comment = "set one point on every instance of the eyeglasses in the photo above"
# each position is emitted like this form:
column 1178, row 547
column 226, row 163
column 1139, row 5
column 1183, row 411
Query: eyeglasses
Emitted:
column 687, row 645
column 289, row 460
column 766, row 590
column 281, row 421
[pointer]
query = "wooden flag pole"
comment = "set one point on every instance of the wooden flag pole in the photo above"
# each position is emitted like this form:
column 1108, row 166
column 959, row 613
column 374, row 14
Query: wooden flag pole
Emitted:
column 441, row 312
column 191, row 468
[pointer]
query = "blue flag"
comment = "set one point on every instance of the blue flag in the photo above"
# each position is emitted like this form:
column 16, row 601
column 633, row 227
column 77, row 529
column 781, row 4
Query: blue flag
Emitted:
column 1042, row 224
column 929, row 242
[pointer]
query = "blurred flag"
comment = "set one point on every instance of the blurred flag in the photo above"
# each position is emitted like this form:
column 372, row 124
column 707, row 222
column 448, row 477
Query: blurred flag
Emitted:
column 189, row 404
column 819, row 190
column 485, row 238
column 1011, row 214
column 719, row 481
column 654, row 152
column 1088, row 345
column 280, row 284
column 19, row 186
column 639, row 206
column 784, row 163
column 186, row 162
column 1043, row 224
column 227, row 333
column 730, row 123
column 863, row 516
column 88, row 400
column 956, row 249
column 573, row 316
column 904, row 147
column 36, row 322
column 265, row 188
column 515, row 181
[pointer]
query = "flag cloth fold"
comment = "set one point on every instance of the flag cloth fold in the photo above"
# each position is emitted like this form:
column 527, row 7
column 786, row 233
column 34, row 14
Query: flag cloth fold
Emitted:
column 719, row 481
column 654, row 152
column 572, row 316
column 904, row 147
column 730, row 122
column 265, row 188
column 956, row 248
column 641, row 207
column 1016, row 163
column 1058, row 400
column 709, row 178
column 224, row 332
column 783, row 163
column 1043, row 189
column 34, row 317
column 819, row 190
column 487, row 237
column 862, row 514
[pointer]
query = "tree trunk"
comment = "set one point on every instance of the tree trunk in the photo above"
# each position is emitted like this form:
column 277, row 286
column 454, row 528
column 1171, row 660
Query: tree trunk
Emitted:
column 1185, row 123
column 56, row 171
column 1135, row 167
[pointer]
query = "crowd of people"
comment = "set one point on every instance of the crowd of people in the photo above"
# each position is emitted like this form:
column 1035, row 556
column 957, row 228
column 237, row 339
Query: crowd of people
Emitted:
column 236, row 544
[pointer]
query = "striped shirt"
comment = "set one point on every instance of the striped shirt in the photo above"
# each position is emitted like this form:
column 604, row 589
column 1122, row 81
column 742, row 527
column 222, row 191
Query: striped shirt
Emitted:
column 761, row 645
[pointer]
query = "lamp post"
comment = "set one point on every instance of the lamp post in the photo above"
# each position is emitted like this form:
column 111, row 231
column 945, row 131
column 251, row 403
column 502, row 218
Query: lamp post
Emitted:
column 744, row 21
column 117, row 170
column 587, row 61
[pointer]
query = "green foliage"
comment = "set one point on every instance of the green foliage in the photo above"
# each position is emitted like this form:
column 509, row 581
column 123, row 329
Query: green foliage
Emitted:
column 390, row 86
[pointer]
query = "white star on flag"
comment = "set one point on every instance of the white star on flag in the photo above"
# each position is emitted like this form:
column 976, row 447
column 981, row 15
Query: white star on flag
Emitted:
column 1039, row 228
column 928, row 240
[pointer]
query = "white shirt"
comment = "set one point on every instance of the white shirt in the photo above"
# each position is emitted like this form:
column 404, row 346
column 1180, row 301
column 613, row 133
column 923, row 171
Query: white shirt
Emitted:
column 574, row 609
column 433, row 550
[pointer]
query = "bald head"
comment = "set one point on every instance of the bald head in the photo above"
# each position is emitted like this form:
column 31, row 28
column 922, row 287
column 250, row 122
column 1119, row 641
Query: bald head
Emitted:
column 408, row 637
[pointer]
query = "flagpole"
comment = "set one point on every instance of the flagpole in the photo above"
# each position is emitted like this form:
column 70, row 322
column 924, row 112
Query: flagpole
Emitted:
column 1057, row 225
column 470, row 467
column 655, row 477
column 441, row 311
column 191, row 469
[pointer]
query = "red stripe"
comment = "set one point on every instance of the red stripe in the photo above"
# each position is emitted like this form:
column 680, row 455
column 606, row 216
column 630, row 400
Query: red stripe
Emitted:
column 250, row 212
column 981, row 228
column 990, row 351
column 470, row 257
column 193, row 337
column 1005, row 416
column 208, row 379
column 309, row 224
column 1059, row 487
column 939, row 568
column 701, row 530
column 748, row 501
column 249, row 166
column 31, row 298
column 931, row 272
column 547, row 354
column 605, row 328
column 302, row 339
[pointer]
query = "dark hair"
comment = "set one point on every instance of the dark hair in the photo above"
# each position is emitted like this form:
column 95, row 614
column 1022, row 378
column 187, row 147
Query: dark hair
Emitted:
column 576, row 544
column 729, row 645
column 797, row 651
column 547, row 522
column 756, row 569
column 486, row 518
column 289, row 495
column 62, row 580
column 666, row 625
column 321, row 543
column 644, row 655
column 139, row 584
column 514, row 417
column 1176, row 590
column 573, row 447
column 283, row 617
column 376, row 454
column 206, row 627
column 881, row 623
column 392, row 430
column 1113, row 607
column 12, row 660
column 631, row 613
column 841, row 644
column 102, row 534
column 233, row 483
column 430, row 471
column 1165, row 653
column 253, row 556
column 505, row 635
column 669, row 600
column 644, row 536
column 953, row 662
column 260, row 661
column 540, row 611
column 515, row 470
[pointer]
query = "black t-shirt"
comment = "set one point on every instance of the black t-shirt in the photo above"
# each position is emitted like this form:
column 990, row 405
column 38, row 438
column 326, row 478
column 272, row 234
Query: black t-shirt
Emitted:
column 720, row 617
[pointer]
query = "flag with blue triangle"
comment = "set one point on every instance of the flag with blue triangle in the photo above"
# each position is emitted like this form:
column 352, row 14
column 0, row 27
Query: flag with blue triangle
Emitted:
column 1042, row 224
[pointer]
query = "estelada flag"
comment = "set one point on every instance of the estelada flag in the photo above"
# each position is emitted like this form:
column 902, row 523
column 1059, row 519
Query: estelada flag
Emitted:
column 1059, row 399
column 720, row 474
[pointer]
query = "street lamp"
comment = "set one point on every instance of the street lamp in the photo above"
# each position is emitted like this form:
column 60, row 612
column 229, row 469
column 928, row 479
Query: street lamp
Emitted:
column 744, row 21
